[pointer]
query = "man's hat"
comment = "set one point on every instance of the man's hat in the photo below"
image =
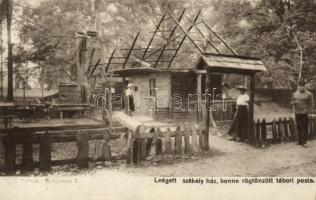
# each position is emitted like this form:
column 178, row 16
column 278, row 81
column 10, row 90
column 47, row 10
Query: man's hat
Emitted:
column 241, row 87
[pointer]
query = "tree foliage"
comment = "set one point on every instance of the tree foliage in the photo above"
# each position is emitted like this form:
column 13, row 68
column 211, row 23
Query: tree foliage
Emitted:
column 261, row 28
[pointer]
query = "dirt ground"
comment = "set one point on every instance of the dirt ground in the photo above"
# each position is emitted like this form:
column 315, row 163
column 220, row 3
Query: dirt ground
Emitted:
column 229, row 158
column 225, row 158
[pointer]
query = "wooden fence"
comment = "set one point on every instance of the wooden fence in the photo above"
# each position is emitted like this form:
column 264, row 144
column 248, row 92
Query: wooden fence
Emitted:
column 139, row 144
column 45, row 137
column 277, row 131
column 183, row 140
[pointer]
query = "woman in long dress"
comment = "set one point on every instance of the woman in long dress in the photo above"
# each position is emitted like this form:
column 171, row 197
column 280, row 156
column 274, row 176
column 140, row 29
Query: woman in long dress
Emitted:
column 239, row 128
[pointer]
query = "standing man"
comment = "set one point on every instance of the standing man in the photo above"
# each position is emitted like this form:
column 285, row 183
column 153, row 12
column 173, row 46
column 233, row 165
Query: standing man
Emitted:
column 303, row 103
column 129, row 94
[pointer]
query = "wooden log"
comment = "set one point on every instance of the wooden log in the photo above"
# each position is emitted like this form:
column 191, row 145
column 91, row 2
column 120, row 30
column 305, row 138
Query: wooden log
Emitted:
column 195, row 147
column 10, row 154
column 83, row 150
column 257, row 138
column 292, row 128
column 129, row 147
column 187, row 133
column 286, row 130
column 178, row 141
column 27, row 160
column 168, row 141
column 274, row 132
column 45, row 154
column 280, row 130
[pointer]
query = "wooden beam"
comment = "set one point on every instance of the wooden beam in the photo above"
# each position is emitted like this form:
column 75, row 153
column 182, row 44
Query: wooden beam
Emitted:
column 187, row 32
column 109, row 62
column 181, row 42
column 251, row 101
column 158, row 49
column 207, row 108
column 169, row 38
column 130, row 51
column 220, row 38
column 201, row 33
column 157, row 28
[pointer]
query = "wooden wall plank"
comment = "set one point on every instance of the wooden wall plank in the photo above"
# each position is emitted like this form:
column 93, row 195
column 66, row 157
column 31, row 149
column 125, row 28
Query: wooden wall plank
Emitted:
column 45, row 155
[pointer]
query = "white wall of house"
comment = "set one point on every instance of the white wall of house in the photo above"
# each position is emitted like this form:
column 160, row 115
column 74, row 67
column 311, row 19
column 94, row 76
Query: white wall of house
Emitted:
column 142, row 101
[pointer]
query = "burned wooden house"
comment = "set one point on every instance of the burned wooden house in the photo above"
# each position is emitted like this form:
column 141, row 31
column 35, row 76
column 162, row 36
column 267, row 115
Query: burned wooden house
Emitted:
column 175, row 75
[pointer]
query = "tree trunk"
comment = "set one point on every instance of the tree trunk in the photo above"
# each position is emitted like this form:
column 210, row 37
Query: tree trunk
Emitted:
column 10, row 62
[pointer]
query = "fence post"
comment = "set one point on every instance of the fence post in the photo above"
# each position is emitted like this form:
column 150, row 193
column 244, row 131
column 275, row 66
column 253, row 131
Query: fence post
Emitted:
column 195, row 147
column 187, row 148
column 280, row 130
column 274, row 132
column 178, row 141
column 313, row 121
column 286, row 130
column 310, row 128
column 10, row 154
column 129, row 147
column 201, row 137
column 106, row 148
column 158, row 142
column 168, row 140
column 263, row 129
column 292, row 129
column 83, row 150
column 257, row 128
column 27, row 162
column 136, row 146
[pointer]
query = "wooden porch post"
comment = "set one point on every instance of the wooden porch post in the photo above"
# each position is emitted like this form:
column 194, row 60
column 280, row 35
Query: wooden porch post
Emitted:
column 251, row 102
column 199, row 93
column 207, row 106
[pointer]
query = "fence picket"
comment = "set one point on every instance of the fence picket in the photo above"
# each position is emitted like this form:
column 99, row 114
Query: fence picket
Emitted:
column 158, row 142
column 168, row 141
column 129, row 147
column 280, row 130
column 178, row 141
column 274, row 132
column 263, row 129
column 187, row 148
column 195, row 147
column 286, row 130
column 292, row 129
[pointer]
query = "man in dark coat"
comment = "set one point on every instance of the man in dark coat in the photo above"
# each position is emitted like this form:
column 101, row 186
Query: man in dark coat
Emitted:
column 303, row 103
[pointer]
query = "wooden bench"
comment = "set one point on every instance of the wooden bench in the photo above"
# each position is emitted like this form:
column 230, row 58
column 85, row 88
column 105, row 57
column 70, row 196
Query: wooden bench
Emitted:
column 78, row 108
column 8, row 120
